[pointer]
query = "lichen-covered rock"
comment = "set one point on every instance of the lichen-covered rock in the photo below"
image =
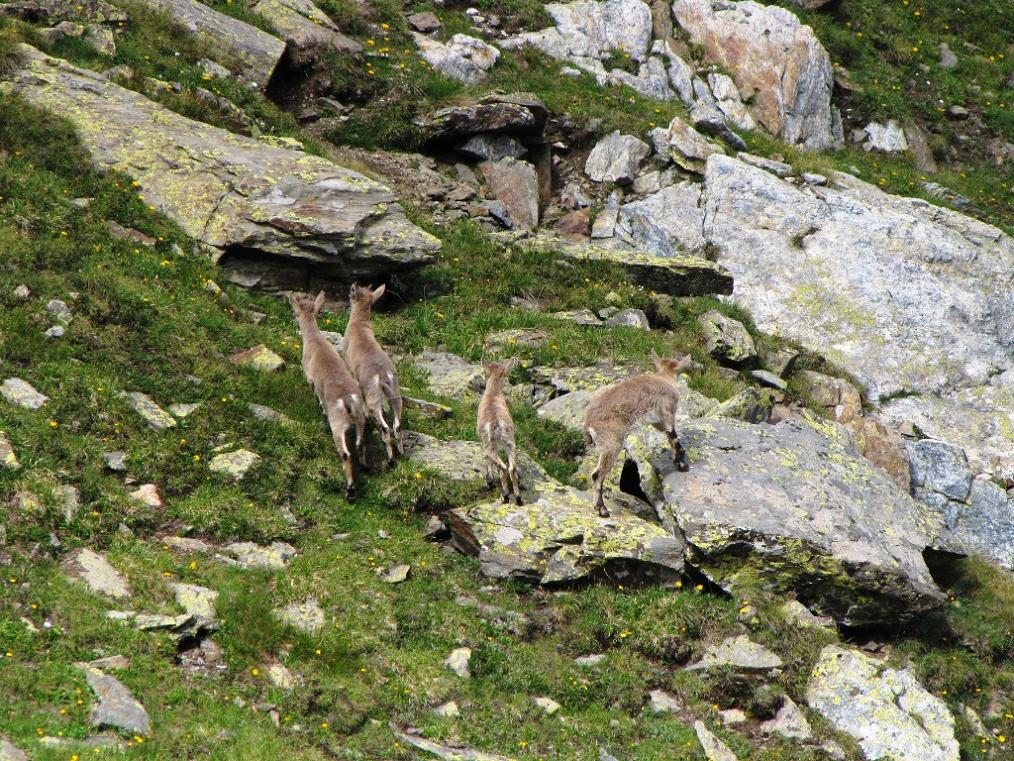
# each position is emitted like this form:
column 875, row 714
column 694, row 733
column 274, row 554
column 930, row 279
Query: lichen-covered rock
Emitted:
column 727, row 339
column 22, row 393
column 886, row 710
column 307, row 615
column 586, row 378
column 778, row 64
column 918, row 310
column 714, row 749
column 306, row 28
column 234, row 464
column 688, row 147
column 448, row 374
column 509, row 341
column 587, row 29
column 195, row 599
column 147, row 494
column 559, row 537
column 567, row 409
column 259, row 357
column 668, row 223
column 739, row 653
column 97, row 573
column 790, row 722
column 253, row 556
column 886, row 138
column 11, row 752
column 156, row 417
column 8, row 457
column 117, row 706
column 458, row 661
column 628, row 318
column 508, row 115
column 258, row 51
column 227, row 190
column 797, row 505
column 839, row 398
column 939, row 467
column 676, row 275
column 615, row 158
column 463, row 58
column 751, row 405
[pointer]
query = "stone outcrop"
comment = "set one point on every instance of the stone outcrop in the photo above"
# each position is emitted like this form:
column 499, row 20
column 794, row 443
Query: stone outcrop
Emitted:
column 233, row 193
column 798, row 506
column 256, row 50
column 463, row 58
column 305, row 27
column 778, row 65
column 886, row 710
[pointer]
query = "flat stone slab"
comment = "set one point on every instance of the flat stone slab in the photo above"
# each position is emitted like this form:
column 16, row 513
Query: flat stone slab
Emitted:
column 156, row 417
column 22, row 393
column 740, row 653
column 560, row 537
column 224, row 189
column 886, row 710
column 449, row 374
column 306, row 28
column 235, row 464
column 796, row 504
column 259, row 357
column 307, row 615
column 195, row 599
column 117, row 706
column 97, row 574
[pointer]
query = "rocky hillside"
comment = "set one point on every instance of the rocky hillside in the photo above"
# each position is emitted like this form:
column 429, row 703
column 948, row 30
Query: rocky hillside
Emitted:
column 811, row 199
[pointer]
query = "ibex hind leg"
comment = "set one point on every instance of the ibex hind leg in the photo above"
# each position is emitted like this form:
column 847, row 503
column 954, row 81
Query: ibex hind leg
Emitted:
column 377, row 413
column 679, row 454
column 339, row 429
column 396, row 409
column 512, row 470
column 607, row 459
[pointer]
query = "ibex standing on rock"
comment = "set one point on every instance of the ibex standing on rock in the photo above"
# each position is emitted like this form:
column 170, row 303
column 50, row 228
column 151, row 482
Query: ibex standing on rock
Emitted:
column 648, row 399
column 372, row 367
column 337, row 391
column 495, row 427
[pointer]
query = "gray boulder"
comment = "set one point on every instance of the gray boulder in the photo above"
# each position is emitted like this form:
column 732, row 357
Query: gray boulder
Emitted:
column 463, row 58
column 449, row 374
column 257, row 51
column 665, row 223
column 615, row 158
column 885, row 138
column 778, row 64
column 885, row 710
column 939, row 467
column 492, row 147
column 588, row 30
column 228, row 190
column 727, row 339
column 117, row 706
column 515, row 184
column 797, row 505
column 306, row 28
column 688, row 147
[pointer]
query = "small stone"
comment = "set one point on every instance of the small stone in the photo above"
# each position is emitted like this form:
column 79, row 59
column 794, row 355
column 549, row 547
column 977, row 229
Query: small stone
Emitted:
column 797, row 614
column 714, row 749
column 424, row 22
column 8, row 459
column 432, row 410
column 56, row 331
column 22, row 292
column 156, row 417
column 588, row 661
column 10, row 752
column 548, row 705
column 215, row 70
column 97, row 573
column 738, row 652
column 397, row 574
column 458, row 662
column 253, row 556
column 958, row 112
column 184, row 410
column 261, row 412
column 117, row 706
column 116, row 461
column 259, row 357
column 435, row 528
column 727, row 339
column 660, row 701
column 629, row 318
column 195, row 600
column 280, row 676
column 186, row 544
column 812, row 178
column 234, row 464
column 789, row 722
column 17, row 391
column 59, row 310
column 448, row 710
column 110, row 662
column 886, row 138
column 148, row 494
column 615, row 158
column 948, row 60
column 732, row 716
column 580, row 316
column 307, row 615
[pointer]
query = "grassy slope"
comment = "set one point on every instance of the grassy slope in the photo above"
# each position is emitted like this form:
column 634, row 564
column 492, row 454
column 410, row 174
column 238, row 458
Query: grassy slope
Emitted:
column 143, row 321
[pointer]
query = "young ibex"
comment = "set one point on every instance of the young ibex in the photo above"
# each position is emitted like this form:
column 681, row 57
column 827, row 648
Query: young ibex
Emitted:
column 496, row 431
column 337, row 391
column 372, row 367
column 648, row 399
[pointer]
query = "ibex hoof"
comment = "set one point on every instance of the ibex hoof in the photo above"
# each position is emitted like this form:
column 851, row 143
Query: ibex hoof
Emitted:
column 517, row 499
column 350, row 493
column 603, row 513
column 682, row 466
column 506, row 498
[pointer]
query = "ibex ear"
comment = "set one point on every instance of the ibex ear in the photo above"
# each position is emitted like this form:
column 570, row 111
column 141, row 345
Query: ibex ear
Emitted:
column 510, row 364
column 318, row 302
column 293, row 301
column 683, row 364
column 656, row 360
column 352, row 293
column 378, row 292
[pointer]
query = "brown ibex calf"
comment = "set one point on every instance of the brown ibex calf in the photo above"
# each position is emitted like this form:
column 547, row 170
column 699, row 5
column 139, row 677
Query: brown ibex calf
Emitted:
column 495, row 428
column 337, row 391
column 648, row 399
column 372, row 367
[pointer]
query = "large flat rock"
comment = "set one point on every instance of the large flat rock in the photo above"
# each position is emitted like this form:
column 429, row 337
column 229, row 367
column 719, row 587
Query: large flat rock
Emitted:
column 231, row 192
column 795, row 505
column 257, row 51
